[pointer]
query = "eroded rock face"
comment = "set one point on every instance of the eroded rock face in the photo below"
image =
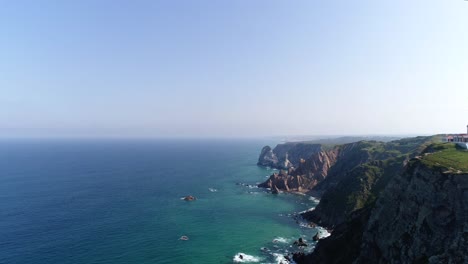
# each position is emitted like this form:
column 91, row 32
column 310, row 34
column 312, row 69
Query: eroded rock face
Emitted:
column 343, row 246
column 309, row 173
column 321, row 170
column 317, row 165
column 267, row 157
column 287, row 155
column 422, row 217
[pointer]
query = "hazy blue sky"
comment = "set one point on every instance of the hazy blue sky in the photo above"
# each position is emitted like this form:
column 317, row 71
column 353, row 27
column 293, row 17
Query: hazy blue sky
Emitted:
column 233, row 68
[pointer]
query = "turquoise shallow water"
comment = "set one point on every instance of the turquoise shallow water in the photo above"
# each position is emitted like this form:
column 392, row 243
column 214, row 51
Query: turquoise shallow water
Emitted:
column 118, row 201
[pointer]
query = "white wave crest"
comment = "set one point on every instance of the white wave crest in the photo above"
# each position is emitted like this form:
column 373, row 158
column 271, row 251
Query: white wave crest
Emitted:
column 244, row 258
column 281, row 240
column 305, row 211
column 314, row 199
column 323, row 233
column 280, row 259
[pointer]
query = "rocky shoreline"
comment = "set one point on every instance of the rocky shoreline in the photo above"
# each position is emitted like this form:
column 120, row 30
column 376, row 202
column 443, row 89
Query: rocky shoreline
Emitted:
column 369, row 188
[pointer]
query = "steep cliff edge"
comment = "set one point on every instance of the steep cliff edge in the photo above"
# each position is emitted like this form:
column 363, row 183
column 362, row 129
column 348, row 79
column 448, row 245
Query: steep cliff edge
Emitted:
column 419, row 216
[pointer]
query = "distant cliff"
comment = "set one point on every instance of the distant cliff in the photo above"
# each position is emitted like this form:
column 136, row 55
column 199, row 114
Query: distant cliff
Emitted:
column 287, row 155
column 323, row 167
column 290, row 154
column 308, row 174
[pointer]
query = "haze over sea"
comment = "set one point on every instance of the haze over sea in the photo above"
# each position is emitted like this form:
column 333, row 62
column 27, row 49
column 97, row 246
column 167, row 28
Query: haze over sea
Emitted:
column 118, row 201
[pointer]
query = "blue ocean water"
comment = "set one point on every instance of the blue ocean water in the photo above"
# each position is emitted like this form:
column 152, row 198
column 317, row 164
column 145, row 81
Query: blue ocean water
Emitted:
column 118, row 201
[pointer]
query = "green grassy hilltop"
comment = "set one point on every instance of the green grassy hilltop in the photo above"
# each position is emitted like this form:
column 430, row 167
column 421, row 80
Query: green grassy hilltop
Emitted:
column 447, row 155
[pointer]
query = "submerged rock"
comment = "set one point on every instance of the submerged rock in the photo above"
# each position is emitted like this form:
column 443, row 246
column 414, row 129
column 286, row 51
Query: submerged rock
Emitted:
column 275, row 190
column 189, row 198
column 300, row 243
column 316, row 237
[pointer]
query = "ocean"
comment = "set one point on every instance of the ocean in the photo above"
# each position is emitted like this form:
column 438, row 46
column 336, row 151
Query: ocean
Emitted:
column 119, row 201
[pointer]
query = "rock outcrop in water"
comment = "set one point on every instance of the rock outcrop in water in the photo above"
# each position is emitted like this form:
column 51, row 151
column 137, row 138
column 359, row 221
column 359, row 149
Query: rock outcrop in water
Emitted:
column 189, row 198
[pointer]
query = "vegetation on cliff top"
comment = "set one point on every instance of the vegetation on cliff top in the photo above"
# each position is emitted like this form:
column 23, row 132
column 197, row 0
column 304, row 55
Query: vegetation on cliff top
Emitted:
column 447, row 156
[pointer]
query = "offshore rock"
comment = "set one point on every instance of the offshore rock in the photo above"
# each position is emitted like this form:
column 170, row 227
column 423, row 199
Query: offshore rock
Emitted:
column 189, row 198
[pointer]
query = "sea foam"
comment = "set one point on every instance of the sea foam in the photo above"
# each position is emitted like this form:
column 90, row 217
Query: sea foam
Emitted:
column 281, row 240
column 245, row 258
column 323, row 233
column 280, row 259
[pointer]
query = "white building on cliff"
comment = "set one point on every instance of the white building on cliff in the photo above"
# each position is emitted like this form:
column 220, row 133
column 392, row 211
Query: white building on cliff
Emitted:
column 460, row 139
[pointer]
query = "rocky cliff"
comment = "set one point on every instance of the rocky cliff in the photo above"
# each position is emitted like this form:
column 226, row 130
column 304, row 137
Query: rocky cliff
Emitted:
column 346, row 177
column 405, row 209
column 287, row 155
column 421, row 217
column 308, row 174
column 323, row 169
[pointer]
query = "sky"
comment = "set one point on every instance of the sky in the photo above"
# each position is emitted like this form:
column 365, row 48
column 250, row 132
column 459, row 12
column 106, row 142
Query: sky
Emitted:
column 237, row 68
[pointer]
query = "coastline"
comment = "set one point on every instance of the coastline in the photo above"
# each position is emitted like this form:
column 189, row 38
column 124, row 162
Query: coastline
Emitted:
column 282, row 249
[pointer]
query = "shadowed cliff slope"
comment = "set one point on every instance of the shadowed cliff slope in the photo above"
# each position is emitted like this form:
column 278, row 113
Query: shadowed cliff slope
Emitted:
column 419, row 216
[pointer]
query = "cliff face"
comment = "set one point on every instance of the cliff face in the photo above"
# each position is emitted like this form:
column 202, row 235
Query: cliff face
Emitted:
column 358, row 188
column 343, row 246
column 404, row 201
column 421, row 217
column 287, row 155
column 309, row 173
column 402, row 211
column 362, row 171
column 268, row 157
column 322, row 170
column 346, row 177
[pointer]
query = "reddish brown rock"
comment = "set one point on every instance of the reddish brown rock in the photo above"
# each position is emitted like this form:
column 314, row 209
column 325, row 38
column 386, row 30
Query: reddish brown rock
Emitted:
column 189, row 198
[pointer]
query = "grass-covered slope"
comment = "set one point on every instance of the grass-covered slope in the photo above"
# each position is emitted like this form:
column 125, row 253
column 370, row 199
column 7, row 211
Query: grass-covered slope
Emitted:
column 446, row 156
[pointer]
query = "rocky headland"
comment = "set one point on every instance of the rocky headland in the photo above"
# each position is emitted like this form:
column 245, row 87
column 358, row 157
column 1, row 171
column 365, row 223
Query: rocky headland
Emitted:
column 403, row 201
